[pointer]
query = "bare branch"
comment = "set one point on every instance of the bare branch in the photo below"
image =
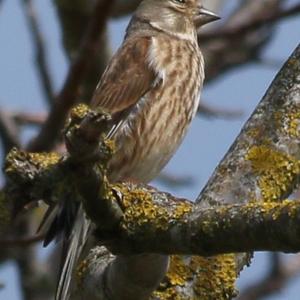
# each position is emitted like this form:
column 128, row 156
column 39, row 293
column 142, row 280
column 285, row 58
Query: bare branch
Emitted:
column 209, row 111
column 261, row 20
column 9, row 132
column 27, row 118
column 21, row 242
column 124, row 7
column 174, row 180
column 274, row 281
column 68, row 95
column 224, row 53
column 40, row 50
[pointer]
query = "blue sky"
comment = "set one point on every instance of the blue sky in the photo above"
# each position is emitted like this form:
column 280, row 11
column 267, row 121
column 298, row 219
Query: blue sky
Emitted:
column 207, row 140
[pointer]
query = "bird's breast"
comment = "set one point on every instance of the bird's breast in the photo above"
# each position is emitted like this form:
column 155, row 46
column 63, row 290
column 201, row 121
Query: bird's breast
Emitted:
column 157, row 125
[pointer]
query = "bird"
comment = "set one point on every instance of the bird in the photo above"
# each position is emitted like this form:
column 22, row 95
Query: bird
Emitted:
column 151, row 87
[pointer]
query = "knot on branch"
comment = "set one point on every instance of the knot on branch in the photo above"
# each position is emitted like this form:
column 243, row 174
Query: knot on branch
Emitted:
column 55, row 178
column 85, row 134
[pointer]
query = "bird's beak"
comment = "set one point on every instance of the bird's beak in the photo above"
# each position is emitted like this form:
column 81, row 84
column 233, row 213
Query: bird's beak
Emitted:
column 205, row 16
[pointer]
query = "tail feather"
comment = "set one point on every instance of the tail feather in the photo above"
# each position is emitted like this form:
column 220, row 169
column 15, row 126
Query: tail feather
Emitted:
column 66, row 222
column 78, row 240
column 58, row 221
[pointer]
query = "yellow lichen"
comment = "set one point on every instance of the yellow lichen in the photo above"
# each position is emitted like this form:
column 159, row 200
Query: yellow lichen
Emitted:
column 80, row 272
column 44, row 160
column 179, row 272
column 276, row 171
column 79, row 111
column 271, row 208
column 293, row 126
column 140, row 209
column 210, row 278
column 216, row 276
column 255, row 132
column 16, row 160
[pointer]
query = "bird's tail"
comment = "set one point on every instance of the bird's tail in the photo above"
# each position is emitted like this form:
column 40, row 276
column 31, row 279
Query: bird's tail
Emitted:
column 78, row 238
column 69, row 223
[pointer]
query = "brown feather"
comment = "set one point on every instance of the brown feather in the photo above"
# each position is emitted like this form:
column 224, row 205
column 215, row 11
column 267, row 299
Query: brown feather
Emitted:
column 127, row 78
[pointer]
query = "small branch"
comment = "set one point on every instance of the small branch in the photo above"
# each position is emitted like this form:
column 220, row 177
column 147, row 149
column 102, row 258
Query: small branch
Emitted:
column 74, row 18
column 21, row 242
column 259, row 21
column 9, row 132
column 274, row 282
column 68, row 95
column 174, row 180
column 225, row 53
column 273, row 63
column 208, row 111
column 124, row 7
column 27, row 118
column 40, row 50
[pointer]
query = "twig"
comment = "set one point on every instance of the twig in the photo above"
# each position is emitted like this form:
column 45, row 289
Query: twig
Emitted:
column 21, row 242
column 223, row 54
column 124, row 7
column 208, row 111
column 40, row 50
column 68, row 95
column 9, row 132
column 27, row 118
column 274, row 281
column 174, row 180
column 261, row 20
column 273, row 63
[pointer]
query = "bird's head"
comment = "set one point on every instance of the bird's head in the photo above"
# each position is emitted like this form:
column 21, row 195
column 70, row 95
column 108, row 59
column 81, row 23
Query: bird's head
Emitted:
column 179, row 17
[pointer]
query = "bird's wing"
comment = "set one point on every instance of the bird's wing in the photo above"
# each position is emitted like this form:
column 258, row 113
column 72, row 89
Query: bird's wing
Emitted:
column 127, row 78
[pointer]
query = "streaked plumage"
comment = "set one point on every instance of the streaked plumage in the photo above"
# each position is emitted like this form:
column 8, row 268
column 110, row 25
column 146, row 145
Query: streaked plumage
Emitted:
column 161, row 77
column 151, row 87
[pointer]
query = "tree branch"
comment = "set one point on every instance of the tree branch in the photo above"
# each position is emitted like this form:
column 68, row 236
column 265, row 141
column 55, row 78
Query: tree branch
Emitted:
column 40, row 50
column 224, row 53
column 68, row 95
column 261, row 20
column 274, row 281
column 21, row 242
column 9, row 132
